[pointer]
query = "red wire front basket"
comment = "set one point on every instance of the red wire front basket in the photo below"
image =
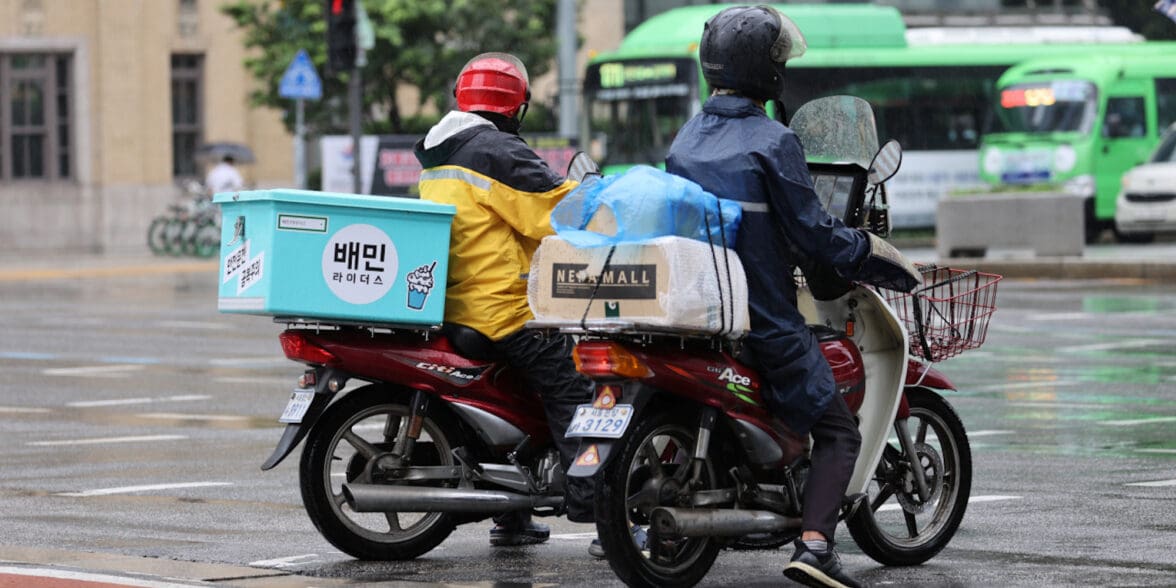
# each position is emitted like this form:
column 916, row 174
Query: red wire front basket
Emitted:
column 949, row 314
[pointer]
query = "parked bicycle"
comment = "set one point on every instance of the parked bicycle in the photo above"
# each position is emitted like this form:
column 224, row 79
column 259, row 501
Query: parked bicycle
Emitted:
column 190, row 227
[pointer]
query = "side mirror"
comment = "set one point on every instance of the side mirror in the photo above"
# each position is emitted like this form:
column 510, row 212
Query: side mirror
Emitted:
column 582, row 166
column 886, row 163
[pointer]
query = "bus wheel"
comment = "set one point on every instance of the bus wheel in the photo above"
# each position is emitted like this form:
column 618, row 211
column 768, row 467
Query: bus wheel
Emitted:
column 1092, row 227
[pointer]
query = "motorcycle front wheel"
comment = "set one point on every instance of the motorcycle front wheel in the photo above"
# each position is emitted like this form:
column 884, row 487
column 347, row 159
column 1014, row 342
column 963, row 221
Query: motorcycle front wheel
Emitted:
column 651, row 469
column 353, row 431
column 896, row 527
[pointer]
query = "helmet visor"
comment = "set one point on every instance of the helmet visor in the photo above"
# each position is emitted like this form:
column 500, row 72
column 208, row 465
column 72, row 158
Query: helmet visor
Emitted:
column 790, row 44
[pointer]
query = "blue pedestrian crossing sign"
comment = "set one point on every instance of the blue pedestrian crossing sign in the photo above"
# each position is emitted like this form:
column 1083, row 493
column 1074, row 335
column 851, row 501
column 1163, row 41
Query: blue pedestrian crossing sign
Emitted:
column 301, row 81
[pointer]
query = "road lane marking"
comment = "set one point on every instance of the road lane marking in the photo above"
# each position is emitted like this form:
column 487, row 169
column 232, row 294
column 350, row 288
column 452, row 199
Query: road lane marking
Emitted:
column 574, row 536
column 1156, row 484
column 30, row 274
column 989, row 433
column 1124, row 344
column 191, row 417
column 25, row 355
column 248, row 361
column 1059, row 316
column 284, row 562
column 100, row 440
column 1133, row 422
column 125, row 401
column 1156, row 450
column 95, row 371
column 23, row 410
column 194, row 325
column 972, row 500
column 86, row 577
column 1023, row 385
column 145, row 488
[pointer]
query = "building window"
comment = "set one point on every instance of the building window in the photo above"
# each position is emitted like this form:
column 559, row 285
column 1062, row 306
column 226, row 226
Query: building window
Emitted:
column 36, row 141
column 187, row 123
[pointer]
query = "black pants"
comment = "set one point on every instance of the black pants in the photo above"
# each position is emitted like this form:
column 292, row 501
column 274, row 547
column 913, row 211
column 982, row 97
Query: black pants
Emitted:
column 547, row 367
column 836, row 442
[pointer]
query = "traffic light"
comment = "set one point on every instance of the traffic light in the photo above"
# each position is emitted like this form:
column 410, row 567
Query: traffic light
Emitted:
column 341, row 43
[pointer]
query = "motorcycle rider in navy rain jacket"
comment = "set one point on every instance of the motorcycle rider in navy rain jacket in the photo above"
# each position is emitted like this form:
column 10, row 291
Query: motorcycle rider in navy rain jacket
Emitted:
column 734, row 150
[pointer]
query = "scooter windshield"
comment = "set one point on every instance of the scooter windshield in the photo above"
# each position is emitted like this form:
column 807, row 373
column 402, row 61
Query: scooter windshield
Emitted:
column 837, row 129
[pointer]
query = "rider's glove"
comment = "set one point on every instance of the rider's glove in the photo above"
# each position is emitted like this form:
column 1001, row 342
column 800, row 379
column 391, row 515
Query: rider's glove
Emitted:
column 886, row 267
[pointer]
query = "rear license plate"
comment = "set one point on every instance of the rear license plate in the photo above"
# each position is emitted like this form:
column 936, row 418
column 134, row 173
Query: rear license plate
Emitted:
column 609, row 423
column 297, row 407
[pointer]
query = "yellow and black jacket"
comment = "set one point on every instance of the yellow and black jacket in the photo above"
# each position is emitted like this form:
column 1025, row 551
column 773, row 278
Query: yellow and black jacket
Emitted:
column 504, row 194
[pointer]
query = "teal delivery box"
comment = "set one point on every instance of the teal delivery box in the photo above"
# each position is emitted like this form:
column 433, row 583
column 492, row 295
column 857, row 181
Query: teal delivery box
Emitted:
column 318, row 255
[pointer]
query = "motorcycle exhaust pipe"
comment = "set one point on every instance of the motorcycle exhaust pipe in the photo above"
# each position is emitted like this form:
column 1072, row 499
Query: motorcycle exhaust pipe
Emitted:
column 381, row 498
column 708, row 522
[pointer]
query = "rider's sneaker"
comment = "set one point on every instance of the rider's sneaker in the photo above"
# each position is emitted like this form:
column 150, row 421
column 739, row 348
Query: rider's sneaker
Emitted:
column 820, row 570
column 530, row 534
column 640, row 538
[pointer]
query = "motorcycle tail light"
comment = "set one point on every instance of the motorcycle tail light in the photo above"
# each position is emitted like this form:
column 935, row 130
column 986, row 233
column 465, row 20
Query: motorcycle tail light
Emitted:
column 298, row 348
column 604, row 359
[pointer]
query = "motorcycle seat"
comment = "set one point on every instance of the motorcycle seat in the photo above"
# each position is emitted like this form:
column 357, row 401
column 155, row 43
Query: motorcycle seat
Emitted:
column 470, row 343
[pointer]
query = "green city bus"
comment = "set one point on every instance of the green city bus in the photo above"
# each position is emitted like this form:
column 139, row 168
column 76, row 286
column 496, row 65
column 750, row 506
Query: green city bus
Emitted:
column 1079, row 124
column 934, row 95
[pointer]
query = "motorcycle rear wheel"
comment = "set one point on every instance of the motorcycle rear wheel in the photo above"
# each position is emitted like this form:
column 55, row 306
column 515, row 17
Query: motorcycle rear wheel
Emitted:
column 895, row 527
column 349, row 434
column 650, row 458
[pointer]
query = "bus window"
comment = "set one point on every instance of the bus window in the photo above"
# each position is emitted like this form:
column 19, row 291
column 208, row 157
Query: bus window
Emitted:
column 1165, row 102
column 1125, row 118
column 1047, row 107
column 1166, row 152
column 638, row 131
column 636, row 107
column 929, row 108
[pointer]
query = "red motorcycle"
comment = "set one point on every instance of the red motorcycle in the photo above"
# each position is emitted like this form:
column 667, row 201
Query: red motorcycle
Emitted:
column 433, row 440
column 680, row 430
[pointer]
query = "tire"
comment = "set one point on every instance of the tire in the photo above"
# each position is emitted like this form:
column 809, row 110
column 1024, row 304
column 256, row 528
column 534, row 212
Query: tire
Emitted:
column 894, row 527
column 173, row 236
column 206, row 242
column 157, row 235
column 621, row 504
column 1092, row 226
column 329, row 460
column 1139, row 238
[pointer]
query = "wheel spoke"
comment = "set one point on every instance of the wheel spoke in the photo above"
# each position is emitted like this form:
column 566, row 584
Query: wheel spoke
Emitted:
column 392, row 426
column 649, row 452
column 367, row 450
column 911, row 524
column 884, row 494
column 393, row 522
column 338, row 499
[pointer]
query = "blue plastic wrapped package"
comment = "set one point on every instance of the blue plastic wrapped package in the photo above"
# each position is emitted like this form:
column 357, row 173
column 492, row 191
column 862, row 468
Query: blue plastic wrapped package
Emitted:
column 644, row 203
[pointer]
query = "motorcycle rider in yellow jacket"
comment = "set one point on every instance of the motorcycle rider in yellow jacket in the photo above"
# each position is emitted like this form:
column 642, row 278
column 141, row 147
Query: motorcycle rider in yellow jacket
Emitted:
column 504, row 192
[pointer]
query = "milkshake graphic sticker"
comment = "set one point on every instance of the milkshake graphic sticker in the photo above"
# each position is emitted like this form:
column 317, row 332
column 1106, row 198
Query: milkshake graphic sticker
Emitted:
column 420, row 283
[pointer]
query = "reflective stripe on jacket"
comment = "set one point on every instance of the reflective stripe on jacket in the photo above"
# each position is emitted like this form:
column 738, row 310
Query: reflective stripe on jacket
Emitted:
column 504, row 193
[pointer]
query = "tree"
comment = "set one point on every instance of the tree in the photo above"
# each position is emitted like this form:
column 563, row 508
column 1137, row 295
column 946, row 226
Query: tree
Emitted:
column 419, row 43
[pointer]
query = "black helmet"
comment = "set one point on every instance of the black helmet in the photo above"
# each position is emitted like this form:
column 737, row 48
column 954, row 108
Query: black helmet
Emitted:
column 744, row 49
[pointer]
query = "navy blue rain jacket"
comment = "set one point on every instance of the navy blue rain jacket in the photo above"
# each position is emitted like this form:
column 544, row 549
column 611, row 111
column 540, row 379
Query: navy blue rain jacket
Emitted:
column 734, row 150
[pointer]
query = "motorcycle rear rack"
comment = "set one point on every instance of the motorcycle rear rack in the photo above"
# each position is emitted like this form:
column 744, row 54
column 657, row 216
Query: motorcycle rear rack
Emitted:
column 324, row 324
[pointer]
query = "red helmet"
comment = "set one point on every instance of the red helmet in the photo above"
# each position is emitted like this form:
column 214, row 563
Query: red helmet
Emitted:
column 492, row 82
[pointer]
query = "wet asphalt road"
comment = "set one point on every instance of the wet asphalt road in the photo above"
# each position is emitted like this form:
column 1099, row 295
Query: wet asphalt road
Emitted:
column 134, row 418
